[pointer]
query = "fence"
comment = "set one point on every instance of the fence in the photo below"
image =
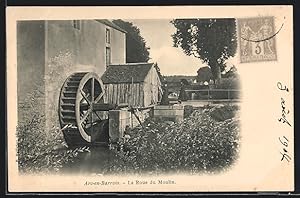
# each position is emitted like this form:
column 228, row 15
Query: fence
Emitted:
column 214, row 94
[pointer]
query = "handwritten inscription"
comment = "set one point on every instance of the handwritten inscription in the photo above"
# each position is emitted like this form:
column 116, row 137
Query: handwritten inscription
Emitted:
column 284, row 152
column 284, row 120
column 284, row 113
column 282, row 87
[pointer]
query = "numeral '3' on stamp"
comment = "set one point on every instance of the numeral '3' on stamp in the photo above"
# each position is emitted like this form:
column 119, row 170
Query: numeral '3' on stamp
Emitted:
column 257, row 39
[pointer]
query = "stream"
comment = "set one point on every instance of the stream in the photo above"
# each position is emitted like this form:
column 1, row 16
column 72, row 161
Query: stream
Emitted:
column 87, row 163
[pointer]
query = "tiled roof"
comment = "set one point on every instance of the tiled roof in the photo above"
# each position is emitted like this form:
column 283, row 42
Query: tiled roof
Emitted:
column 126, row 73
column 110, row 24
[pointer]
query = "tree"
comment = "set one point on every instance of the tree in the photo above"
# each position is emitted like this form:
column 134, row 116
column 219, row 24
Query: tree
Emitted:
column 184, row 81
column 182, row 94
column 165, row 99
column 204, row 74
column 136, row 49
column 231, row 73
column 211, row 40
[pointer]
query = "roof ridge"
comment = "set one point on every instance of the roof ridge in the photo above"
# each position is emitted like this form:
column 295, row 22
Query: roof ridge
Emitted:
column 110, row 23
column 128, row 64
column 124, row 72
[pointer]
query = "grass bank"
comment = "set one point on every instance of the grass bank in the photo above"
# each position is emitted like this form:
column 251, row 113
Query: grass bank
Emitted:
column 207, row 141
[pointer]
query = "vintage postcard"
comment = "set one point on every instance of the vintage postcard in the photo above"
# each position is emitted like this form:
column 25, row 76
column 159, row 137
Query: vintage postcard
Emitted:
column 150, row 99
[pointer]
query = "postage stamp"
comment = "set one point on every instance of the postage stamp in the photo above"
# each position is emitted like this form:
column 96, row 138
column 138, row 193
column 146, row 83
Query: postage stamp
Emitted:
column 257, row 39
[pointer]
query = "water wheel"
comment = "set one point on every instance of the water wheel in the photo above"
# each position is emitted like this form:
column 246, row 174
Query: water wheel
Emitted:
column 82, row 119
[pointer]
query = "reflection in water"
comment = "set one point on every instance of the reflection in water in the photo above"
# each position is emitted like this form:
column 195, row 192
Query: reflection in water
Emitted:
column 93, row 162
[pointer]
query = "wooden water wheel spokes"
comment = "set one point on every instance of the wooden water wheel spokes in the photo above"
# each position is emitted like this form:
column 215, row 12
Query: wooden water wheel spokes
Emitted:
column 80, row 93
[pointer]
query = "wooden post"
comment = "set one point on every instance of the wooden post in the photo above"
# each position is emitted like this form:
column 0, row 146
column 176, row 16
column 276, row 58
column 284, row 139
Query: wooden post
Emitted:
column 228, row 94
column 208, row 96
column 131, row 106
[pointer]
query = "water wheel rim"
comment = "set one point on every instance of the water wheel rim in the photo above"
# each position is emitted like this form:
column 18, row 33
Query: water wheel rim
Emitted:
column 60, row 102
column 94, row 77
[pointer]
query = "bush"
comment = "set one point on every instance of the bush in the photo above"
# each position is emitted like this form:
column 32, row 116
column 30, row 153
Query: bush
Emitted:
column 41, row 149
column 198, row 144
column 223, row 113
column 228, row 83
column 188, row 110
column 36, row 148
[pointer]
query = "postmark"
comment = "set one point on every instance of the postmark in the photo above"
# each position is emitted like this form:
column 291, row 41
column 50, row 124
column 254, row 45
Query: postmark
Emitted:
column 257, row 39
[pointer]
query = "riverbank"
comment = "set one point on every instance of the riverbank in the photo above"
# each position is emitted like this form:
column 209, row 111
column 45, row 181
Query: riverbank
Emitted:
column 206, row 141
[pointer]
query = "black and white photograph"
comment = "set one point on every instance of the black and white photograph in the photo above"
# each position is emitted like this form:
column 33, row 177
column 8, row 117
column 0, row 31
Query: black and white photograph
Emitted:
column 177, row 101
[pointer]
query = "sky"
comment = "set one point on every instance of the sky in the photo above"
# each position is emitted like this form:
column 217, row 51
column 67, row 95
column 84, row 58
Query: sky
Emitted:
column 171, row 60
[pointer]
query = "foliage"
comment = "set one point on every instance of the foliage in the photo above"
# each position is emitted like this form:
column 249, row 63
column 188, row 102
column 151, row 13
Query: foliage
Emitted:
column 41, row 149
column 36, row 147
column 188, row 110
column 184, row 81
column 178, row 78
column 211, row 40
column 183, row 96
column 204, row 74
column 231, row 73
column 228, row 83
column 196, row 145
column 136, row 49
column 230, row 86
column 223, row 113
column 165, row 100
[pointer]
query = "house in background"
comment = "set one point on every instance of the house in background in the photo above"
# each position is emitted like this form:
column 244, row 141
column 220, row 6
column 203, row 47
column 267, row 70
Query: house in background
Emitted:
column 49, row 51
column 137, row 84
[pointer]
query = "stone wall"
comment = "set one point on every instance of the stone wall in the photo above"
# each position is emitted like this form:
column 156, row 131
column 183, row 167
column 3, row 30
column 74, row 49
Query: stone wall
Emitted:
column 30, row 68
column 169, row 112
column 120, row 119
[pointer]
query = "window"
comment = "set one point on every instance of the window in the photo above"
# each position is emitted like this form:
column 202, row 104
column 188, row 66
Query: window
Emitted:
column 108, row 56
column 76, row 24
column 107, row 35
